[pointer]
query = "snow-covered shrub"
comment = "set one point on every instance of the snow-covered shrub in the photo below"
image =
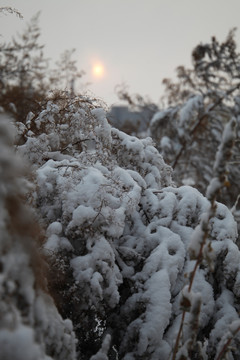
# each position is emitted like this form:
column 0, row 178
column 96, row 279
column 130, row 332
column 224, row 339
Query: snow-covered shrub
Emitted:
column 118, row 233
column 189, row 129
column 31, row 327
column 188, row 136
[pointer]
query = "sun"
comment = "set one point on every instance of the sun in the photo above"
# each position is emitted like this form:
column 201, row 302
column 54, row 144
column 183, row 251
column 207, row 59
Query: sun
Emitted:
column 98, row 70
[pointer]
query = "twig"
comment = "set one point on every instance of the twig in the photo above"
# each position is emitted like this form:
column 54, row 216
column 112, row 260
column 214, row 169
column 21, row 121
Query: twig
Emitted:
column 178, row 336
column 200, row 120
column 75, row 143
column 193, row 273
column 226, row 345
column 99, row 212
column 11, row 10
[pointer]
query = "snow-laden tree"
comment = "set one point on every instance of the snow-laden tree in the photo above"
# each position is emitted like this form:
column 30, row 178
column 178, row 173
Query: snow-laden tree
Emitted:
column 31, row 327
column 122, row 242
column 202, row 100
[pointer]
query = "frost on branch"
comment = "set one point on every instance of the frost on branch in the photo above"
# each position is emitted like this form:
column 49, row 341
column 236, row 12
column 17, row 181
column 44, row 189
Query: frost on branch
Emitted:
column 118, row 233
column 30, row 325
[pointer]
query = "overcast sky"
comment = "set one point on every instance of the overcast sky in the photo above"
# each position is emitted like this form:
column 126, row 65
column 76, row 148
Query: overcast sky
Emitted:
column 139, row 42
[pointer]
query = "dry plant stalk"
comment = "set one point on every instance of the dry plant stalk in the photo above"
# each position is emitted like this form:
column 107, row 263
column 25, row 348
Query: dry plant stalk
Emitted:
column 218, row 182
column 227, row 344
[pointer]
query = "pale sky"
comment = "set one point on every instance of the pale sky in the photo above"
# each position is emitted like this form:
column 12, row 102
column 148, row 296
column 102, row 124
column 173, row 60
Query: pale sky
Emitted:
column 138, row 42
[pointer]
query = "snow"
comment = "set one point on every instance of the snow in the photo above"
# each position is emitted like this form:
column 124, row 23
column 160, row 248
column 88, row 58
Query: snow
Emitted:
column 157, row 318
column 186, row 113
column 165, row 142
column 102, row 353
column 159, row 116
column 81, row 214
column 20, row 344
column 54, row 228
column 220, row 166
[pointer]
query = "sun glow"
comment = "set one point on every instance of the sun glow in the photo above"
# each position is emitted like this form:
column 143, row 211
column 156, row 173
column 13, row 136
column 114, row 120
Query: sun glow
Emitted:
column 98, row 70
